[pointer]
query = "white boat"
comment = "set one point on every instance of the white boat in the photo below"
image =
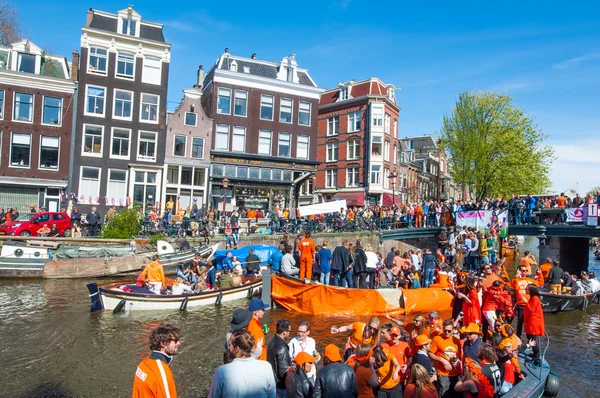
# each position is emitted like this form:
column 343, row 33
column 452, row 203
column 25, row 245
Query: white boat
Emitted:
column 113, row 296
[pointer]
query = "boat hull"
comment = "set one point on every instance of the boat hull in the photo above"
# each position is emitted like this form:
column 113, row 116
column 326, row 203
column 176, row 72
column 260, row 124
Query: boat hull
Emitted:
column 22, row 267
column 562, row 302
column 110, row 298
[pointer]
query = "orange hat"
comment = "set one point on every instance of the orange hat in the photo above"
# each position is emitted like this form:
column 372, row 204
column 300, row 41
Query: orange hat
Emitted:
column 506, row 343
column 472, row 328
column 422, row 340
column 304, row 357
column 333, row 353
column 395, row 331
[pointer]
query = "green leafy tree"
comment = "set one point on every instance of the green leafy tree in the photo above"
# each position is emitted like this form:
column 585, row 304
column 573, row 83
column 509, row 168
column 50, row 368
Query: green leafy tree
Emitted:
column 494, row 148
column 594, row 191
column 123, row 225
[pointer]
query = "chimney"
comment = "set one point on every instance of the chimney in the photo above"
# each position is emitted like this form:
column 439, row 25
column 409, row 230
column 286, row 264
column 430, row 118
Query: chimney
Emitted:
column 254, row 56
column 90, row 16
column 227, row 51
column 75, row 66
column 200, row 81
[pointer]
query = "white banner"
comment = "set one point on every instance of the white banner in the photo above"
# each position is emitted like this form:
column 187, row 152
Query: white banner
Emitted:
column 578, row 214
column 323, row 208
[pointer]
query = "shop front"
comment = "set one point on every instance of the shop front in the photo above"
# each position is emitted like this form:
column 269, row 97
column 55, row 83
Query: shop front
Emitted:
column 21, row 193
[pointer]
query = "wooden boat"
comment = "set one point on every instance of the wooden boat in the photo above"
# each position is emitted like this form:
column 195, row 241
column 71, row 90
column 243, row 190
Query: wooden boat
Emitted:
column 111, row 296
column 566, row 302
column 107, row 266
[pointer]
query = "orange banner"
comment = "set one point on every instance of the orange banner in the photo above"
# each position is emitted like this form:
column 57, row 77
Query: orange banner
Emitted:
column 427, row 299
column 329, row 300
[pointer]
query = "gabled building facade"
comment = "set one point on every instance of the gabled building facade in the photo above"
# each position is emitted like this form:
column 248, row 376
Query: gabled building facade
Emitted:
column 121, row 114
column 187, row 150
column 358, row 143
column 37, row 96
column 265, row 131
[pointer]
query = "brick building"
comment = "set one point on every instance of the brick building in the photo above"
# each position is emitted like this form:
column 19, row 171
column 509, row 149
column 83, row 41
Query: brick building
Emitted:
column 36, row 113
column 358, row 143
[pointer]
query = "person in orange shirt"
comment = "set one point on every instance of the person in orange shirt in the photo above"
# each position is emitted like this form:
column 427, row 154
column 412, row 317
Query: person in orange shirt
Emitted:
column 528, row 261
column 366, row 376
column 361, row 333
column 401, row 351
column 533, row 317
column 446, row 354
column 307, row 257
column 561, row 201
column 154, row 275
column 419, row 215
column 546, row 267
column 153, row 377
column 388, row 372
column 255, row 327
column 519, row 284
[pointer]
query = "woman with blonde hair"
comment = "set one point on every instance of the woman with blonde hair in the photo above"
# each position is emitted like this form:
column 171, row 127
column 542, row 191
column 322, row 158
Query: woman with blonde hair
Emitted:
column 419, row 384
column 360, row 333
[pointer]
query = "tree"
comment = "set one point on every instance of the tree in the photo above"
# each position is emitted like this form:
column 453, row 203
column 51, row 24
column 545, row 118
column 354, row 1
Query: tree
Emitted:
column 594, row 191
column 10, row 29
column 494, row 148
column 122, row 225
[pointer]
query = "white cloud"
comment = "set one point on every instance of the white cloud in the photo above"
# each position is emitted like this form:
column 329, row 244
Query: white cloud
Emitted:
column 177, row 25
column 577, row 166
column 572, row 62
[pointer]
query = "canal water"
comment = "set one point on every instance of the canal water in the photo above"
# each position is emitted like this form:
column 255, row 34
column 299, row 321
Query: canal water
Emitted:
column 49, row 340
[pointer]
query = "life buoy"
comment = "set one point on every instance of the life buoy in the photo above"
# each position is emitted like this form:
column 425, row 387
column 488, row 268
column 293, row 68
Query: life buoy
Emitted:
column 219, row 298
column 119, row 307
column 184, row 304
column 250, row 291
column 552, row 385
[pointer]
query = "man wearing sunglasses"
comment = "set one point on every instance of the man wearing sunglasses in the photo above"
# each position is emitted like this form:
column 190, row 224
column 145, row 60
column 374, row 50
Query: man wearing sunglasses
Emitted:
column 278, row 355
column 304, row 343
column 153, row 378
column 446, row 354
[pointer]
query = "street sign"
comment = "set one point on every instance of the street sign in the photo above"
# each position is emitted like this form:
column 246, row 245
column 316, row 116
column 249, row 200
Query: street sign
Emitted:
column 592, row 209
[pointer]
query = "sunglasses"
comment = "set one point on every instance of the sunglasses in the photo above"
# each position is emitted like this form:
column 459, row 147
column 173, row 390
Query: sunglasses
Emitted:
column 448, row 330
column 372, row 329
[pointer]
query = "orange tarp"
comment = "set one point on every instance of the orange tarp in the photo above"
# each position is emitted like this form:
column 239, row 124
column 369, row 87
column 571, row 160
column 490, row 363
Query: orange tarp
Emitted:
column 427, row 299
column 329, row 300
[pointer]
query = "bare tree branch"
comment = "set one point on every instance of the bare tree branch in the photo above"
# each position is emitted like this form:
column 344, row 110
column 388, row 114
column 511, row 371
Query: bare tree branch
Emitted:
column 10, row 24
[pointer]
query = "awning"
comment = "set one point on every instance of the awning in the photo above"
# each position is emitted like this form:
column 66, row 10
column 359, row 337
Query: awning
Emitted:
column 351, row 198
column 389, row 199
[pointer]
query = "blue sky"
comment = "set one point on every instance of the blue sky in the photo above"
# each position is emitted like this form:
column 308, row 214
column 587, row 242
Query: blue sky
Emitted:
column 545, row 54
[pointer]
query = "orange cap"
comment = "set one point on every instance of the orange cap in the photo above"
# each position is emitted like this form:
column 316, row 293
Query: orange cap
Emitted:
column 333, row 353
column 304, row 357
column 395, row 331
column 422, row 340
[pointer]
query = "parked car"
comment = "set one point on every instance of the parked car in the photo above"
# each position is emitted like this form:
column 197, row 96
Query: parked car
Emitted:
column 28, row 224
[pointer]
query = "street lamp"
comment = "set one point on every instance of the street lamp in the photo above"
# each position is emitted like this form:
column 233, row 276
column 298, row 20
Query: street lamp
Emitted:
column 393, row 177
column 225, row 185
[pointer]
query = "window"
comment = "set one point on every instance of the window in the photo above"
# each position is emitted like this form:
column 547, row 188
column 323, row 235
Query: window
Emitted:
column 387, row 123
column 353, row 149
column 117, row 186
column 92, row 140
column 304, row 113
column 285, row 110
column 352, row 176
column 23, row 107
column 120, row 143
column 49, row 152
column 265, row 174
column 386, row 179
column 302, row 147
column 20, row 151
column 377, row 116
column 144, row 190
column 376, row 174
column 179, row 145
column 343, row 93
column 125, row 64
column 128, row 27
column 264, row 142
column 217, row 170
column 173, row 175
column 266, row 107
column 386, row 151
column 240, row 103
column 396, row 128
column 199, row 176
column 1, row 104
column 242, row 172
column 283, row 146
column 26, row 63
column 198, row 148
column 238, row 143
column 376, row 149
column 224, row 101
column 89, row 185
column 354, row 121
column 149, row 110
column 333, row 125
column 95, row 100
column 123, row 104
column 332, row 152
column 52, row 112
column 222, row 138
column 190, row 119
column 151, row 70
column 147, row 146
column 97, row 60
column 253, row 173
column 230, row 171
column 331, row 178
column 186, row 176
column 276, row 175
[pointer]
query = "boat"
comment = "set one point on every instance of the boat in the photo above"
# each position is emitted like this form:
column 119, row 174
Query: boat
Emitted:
column 115, row 296
column 318, row 299
column 539, row 380
column 566, row 302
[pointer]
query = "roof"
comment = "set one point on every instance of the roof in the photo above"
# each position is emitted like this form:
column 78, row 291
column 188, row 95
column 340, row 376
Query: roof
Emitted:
column 109, row 22
column 260, row 68
column 371, row 86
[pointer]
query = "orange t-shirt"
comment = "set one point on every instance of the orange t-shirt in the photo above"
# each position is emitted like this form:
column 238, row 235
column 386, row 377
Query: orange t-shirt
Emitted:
column 561, row 201
column 362, row 375
column 519, row 285
column 307, row 248
column 446, row 348
column 401, row 352
column 385, row 373
column 357, row 337
column 255, row 329
column 527, row 262
column 545, row 268
column 488, row 280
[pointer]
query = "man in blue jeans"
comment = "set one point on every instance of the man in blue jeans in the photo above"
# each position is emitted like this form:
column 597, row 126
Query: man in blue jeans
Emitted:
column 429, row 264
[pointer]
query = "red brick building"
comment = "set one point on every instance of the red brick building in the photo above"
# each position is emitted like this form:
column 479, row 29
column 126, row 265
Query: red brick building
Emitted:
column 357, row 143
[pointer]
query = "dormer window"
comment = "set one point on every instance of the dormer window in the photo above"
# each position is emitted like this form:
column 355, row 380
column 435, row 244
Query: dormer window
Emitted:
column 128, row 27
column 343, row 93
column 290, row 74
column 26, row 63
column 233, row 67
column 391, row 94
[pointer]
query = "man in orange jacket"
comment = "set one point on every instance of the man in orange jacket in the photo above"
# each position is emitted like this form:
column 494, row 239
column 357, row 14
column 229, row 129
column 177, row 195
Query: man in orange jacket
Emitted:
column 153, row 378
column 154, row 275
column 519, row 284
column 307, row 256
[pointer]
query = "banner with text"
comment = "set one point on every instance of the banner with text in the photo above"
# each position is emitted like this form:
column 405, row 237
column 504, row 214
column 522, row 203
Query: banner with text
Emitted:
column 577, row 214
column 484, row 220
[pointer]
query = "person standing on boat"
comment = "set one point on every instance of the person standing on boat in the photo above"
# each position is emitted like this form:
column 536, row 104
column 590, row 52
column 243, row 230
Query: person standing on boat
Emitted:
column 307, row 256
column 533, row 318
column 556, row 277
column 93, row 219
column 153, row 377
column 519, row 284
column 255, row 327
column 154, row 274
